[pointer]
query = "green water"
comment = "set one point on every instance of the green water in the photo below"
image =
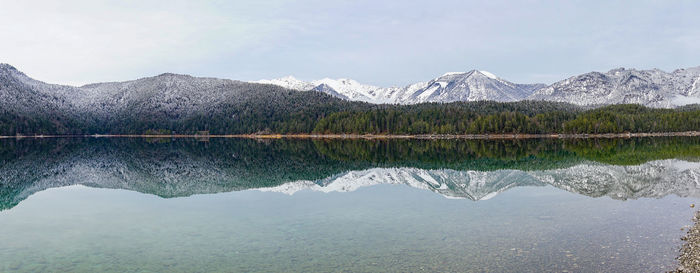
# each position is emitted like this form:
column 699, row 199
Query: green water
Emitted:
column 231, row 205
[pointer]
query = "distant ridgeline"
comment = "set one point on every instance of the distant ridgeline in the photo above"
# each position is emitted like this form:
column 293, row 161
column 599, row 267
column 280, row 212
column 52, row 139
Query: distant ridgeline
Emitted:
column 458, row 168
column 181, row 104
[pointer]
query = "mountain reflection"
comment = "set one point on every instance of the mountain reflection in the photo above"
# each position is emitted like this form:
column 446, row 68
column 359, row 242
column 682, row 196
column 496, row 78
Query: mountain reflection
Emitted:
column 472, row 169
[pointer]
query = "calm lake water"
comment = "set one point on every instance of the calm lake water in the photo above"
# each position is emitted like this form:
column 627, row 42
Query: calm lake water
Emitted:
column 238, row 205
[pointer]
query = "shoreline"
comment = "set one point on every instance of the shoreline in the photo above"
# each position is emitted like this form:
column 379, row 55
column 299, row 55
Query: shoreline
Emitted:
column 690, row 251
column 372, row 136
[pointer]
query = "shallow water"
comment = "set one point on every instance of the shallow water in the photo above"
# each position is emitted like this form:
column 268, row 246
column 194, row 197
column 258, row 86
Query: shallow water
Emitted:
column 355, row 206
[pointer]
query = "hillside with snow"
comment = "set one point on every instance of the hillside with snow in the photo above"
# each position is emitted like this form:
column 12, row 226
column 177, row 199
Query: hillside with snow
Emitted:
column 183, row 103
column 654, row 88
column 184, row 95
column 474, row 85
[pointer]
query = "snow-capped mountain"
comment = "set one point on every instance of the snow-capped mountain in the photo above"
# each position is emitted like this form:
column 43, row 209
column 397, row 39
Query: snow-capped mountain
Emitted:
column 23, row 94
column 170, row 92
column 342, row 88
column 474, row 85
column 654, row 88
column 163, row 98
column 174, row 95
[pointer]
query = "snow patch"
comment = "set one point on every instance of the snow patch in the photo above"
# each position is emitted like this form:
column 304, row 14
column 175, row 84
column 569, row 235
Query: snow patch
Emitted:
column 452, row 73
column 680, row 100
column 488, row 74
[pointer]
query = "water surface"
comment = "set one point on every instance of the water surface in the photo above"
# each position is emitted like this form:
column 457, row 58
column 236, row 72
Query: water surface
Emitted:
column 130, row 205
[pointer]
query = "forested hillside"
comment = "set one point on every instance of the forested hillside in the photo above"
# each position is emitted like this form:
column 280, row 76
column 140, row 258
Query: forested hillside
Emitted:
column 292, row 112
column 171, row 103
column 518, row 117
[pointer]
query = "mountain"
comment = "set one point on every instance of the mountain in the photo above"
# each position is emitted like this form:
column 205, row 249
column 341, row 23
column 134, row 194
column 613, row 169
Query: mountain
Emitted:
column 22, row 94
column 167, row 101
column 185, row 104
column 185, row 96
column 342, row 88
column 653, row 88
column 177, row 95
column 474, row 85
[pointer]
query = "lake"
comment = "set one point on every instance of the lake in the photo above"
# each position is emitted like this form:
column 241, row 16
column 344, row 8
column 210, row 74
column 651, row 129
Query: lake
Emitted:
column 353, row 205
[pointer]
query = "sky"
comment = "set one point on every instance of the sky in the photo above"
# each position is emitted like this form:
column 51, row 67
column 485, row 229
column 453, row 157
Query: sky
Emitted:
column 385, row 43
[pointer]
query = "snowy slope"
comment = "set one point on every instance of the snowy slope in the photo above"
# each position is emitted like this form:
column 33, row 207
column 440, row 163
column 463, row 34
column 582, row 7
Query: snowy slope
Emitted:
column 179, row 95
column 474, row 85
column 343, row 88
column 289, row 82
column 654, row 88
column 22, row 94
column 164, row 96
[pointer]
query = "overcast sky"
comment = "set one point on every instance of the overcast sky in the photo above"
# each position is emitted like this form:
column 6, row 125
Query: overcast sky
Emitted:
column 384, row 43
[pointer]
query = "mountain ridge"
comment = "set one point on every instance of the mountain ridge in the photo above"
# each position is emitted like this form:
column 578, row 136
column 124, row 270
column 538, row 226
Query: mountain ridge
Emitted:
column 473, row 85
column 654, row 88
column 474, row 102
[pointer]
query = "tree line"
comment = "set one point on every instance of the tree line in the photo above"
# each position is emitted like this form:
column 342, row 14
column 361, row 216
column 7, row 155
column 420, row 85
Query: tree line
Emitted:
column 442, row 119
column 305, row 113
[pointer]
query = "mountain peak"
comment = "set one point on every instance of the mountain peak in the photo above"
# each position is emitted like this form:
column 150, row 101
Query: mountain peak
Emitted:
column 289, row 82
column 652, row 87
column 172, row 75
column 289, row 78
column 5, row 66
column 488, row 74
column 7, row 70
column 473, row 72
column 616, row 70
column 451, row 86
column 453, row 73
